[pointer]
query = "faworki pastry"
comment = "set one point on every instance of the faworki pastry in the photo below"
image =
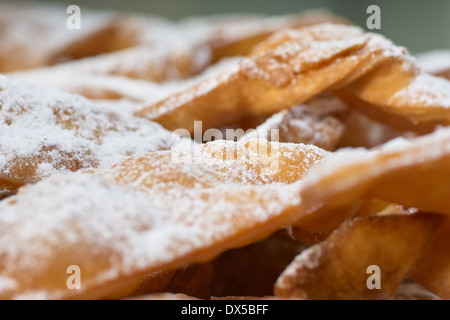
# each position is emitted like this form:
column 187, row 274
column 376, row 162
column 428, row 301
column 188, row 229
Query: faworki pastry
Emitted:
column 229, row 157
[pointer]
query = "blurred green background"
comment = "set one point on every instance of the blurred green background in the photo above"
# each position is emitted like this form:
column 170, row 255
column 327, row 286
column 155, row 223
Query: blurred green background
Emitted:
column 417, row 24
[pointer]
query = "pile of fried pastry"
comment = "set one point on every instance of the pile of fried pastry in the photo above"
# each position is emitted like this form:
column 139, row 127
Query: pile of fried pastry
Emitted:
column 109, row 170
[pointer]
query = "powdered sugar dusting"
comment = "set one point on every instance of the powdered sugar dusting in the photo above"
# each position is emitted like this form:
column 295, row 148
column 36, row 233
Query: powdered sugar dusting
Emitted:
column 301, row 49
column 57, row 129
column 425, row 91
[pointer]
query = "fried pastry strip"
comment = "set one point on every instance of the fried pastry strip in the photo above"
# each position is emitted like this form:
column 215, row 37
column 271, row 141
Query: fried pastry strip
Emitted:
column 400, row 96
column 284, row 71
column 44, row 131
column 400, row 93
column 337, row 268
column 147, row 214
column 412, row 173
